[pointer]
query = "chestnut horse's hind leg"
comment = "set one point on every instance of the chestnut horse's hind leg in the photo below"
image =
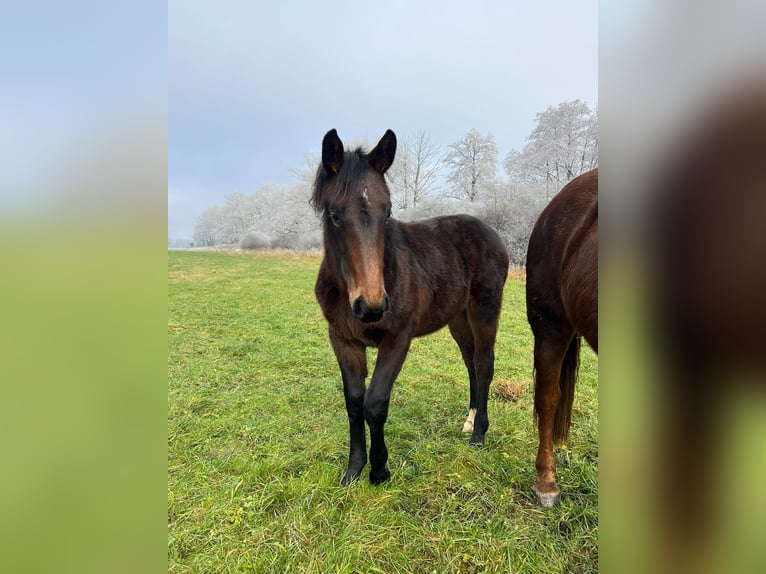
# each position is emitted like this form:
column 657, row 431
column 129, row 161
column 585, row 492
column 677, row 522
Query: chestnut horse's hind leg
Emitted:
column 550, row 352
column 460, row 329
column 352, row 359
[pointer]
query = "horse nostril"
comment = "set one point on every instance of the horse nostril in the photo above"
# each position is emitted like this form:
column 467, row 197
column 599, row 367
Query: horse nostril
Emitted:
column 365, row 313
column 359, row 307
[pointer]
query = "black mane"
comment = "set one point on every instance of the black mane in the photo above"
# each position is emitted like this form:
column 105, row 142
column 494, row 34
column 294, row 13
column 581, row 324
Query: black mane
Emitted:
column 354, row 166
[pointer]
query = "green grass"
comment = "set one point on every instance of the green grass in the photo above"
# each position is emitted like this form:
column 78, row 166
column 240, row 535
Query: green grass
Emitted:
column 258, row 440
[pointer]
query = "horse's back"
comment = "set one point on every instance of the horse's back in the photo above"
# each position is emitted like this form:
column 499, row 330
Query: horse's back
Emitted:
column 561, row 218
column 482, row 256
column 453, row 260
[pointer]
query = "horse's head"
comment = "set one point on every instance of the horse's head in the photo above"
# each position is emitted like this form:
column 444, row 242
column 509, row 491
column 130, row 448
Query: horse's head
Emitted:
column 351, row 194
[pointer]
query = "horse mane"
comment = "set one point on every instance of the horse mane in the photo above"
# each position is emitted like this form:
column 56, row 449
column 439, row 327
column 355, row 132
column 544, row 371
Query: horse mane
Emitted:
column 354, row 165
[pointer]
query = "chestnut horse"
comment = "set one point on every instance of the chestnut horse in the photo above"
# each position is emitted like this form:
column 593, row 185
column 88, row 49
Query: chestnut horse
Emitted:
column 383, row 282
column 562, row 306
column 706, row 238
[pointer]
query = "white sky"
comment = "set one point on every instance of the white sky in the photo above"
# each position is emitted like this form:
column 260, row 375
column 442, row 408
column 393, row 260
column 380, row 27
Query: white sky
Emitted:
column 252, row 86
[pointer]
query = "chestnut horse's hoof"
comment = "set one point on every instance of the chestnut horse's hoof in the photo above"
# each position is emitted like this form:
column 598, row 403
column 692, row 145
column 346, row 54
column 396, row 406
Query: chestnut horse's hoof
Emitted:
column 548, row 496
column 548, row 499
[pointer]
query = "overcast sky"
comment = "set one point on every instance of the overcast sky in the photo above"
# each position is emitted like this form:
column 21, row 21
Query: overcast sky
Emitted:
column 252, row 86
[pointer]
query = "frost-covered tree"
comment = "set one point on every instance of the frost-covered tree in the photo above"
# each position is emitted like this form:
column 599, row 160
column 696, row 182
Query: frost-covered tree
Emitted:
column 562, row 145
column 236, row 217
column 265, row 217
column 512, row 213
column 472, row 166
column 206, row 228
column 415, row 172
column 289, row 211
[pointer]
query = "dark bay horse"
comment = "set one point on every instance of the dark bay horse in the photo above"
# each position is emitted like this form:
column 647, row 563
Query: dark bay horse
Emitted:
column 562, row 306
column 383, row 282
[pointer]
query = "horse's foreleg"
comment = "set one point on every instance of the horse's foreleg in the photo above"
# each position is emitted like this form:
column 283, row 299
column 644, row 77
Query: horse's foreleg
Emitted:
column 352, row 360
column 391, row 355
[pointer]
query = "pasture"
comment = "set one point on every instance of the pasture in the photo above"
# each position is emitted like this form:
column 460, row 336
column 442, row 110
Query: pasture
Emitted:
column 258, row 441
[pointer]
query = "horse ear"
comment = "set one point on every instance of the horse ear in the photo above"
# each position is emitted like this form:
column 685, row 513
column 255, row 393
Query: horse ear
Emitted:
column 382, row 156
column 332, row 152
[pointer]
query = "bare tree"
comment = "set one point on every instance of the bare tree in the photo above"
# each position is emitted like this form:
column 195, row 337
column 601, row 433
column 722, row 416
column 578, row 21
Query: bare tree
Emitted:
column 307, row 170
column 414, row 175
column 472, row 166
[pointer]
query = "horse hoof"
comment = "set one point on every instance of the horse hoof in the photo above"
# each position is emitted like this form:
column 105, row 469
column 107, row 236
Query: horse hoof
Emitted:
column 476, row 440
column 548, row 499
column 379, row 476
column 349, row 478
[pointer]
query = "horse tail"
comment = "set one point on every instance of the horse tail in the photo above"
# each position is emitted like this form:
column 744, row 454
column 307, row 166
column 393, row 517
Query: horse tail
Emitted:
column 569, row 367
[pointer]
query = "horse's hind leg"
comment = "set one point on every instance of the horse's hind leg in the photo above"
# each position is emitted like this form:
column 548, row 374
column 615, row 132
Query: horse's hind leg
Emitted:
column 550, row 352
column 484, row 320
column 460, row 329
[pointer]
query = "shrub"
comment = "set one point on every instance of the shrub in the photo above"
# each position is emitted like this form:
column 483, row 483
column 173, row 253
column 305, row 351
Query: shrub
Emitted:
column 255, row 240
column 308, row 241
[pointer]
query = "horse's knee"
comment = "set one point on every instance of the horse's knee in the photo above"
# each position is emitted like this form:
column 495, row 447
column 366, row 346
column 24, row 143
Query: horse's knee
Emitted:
column 354, row 404
column 375, row 410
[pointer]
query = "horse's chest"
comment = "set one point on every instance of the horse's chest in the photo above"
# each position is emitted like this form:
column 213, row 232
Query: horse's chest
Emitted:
column 344, row 324
column 368, row 335
column 372, row 337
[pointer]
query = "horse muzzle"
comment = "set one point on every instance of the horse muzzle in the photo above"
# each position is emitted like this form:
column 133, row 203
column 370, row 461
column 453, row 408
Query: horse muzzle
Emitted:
column 368, row 314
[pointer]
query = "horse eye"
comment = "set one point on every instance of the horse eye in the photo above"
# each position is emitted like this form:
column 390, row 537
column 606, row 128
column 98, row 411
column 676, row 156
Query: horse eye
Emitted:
column 335, row 218
column 388, row 212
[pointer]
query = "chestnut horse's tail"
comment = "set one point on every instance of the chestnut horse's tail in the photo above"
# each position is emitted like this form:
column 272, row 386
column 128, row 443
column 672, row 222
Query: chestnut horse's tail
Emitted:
column 569, row 368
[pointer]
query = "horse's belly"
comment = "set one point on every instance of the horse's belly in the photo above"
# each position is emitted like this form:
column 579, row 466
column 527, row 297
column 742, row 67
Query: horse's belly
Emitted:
column 439, row 311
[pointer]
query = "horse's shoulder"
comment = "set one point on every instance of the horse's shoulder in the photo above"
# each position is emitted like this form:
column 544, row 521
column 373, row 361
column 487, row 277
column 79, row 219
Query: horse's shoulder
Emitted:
column 326, row 288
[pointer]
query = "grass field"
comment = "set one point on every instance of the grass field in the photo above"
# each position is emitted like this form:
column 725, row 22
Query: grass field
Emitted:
column 258, row 440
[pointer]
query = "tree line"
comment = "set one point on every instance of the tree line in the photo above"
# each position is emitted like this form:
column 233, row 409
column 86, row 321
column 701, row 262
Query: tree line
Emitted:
column 426, row 181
